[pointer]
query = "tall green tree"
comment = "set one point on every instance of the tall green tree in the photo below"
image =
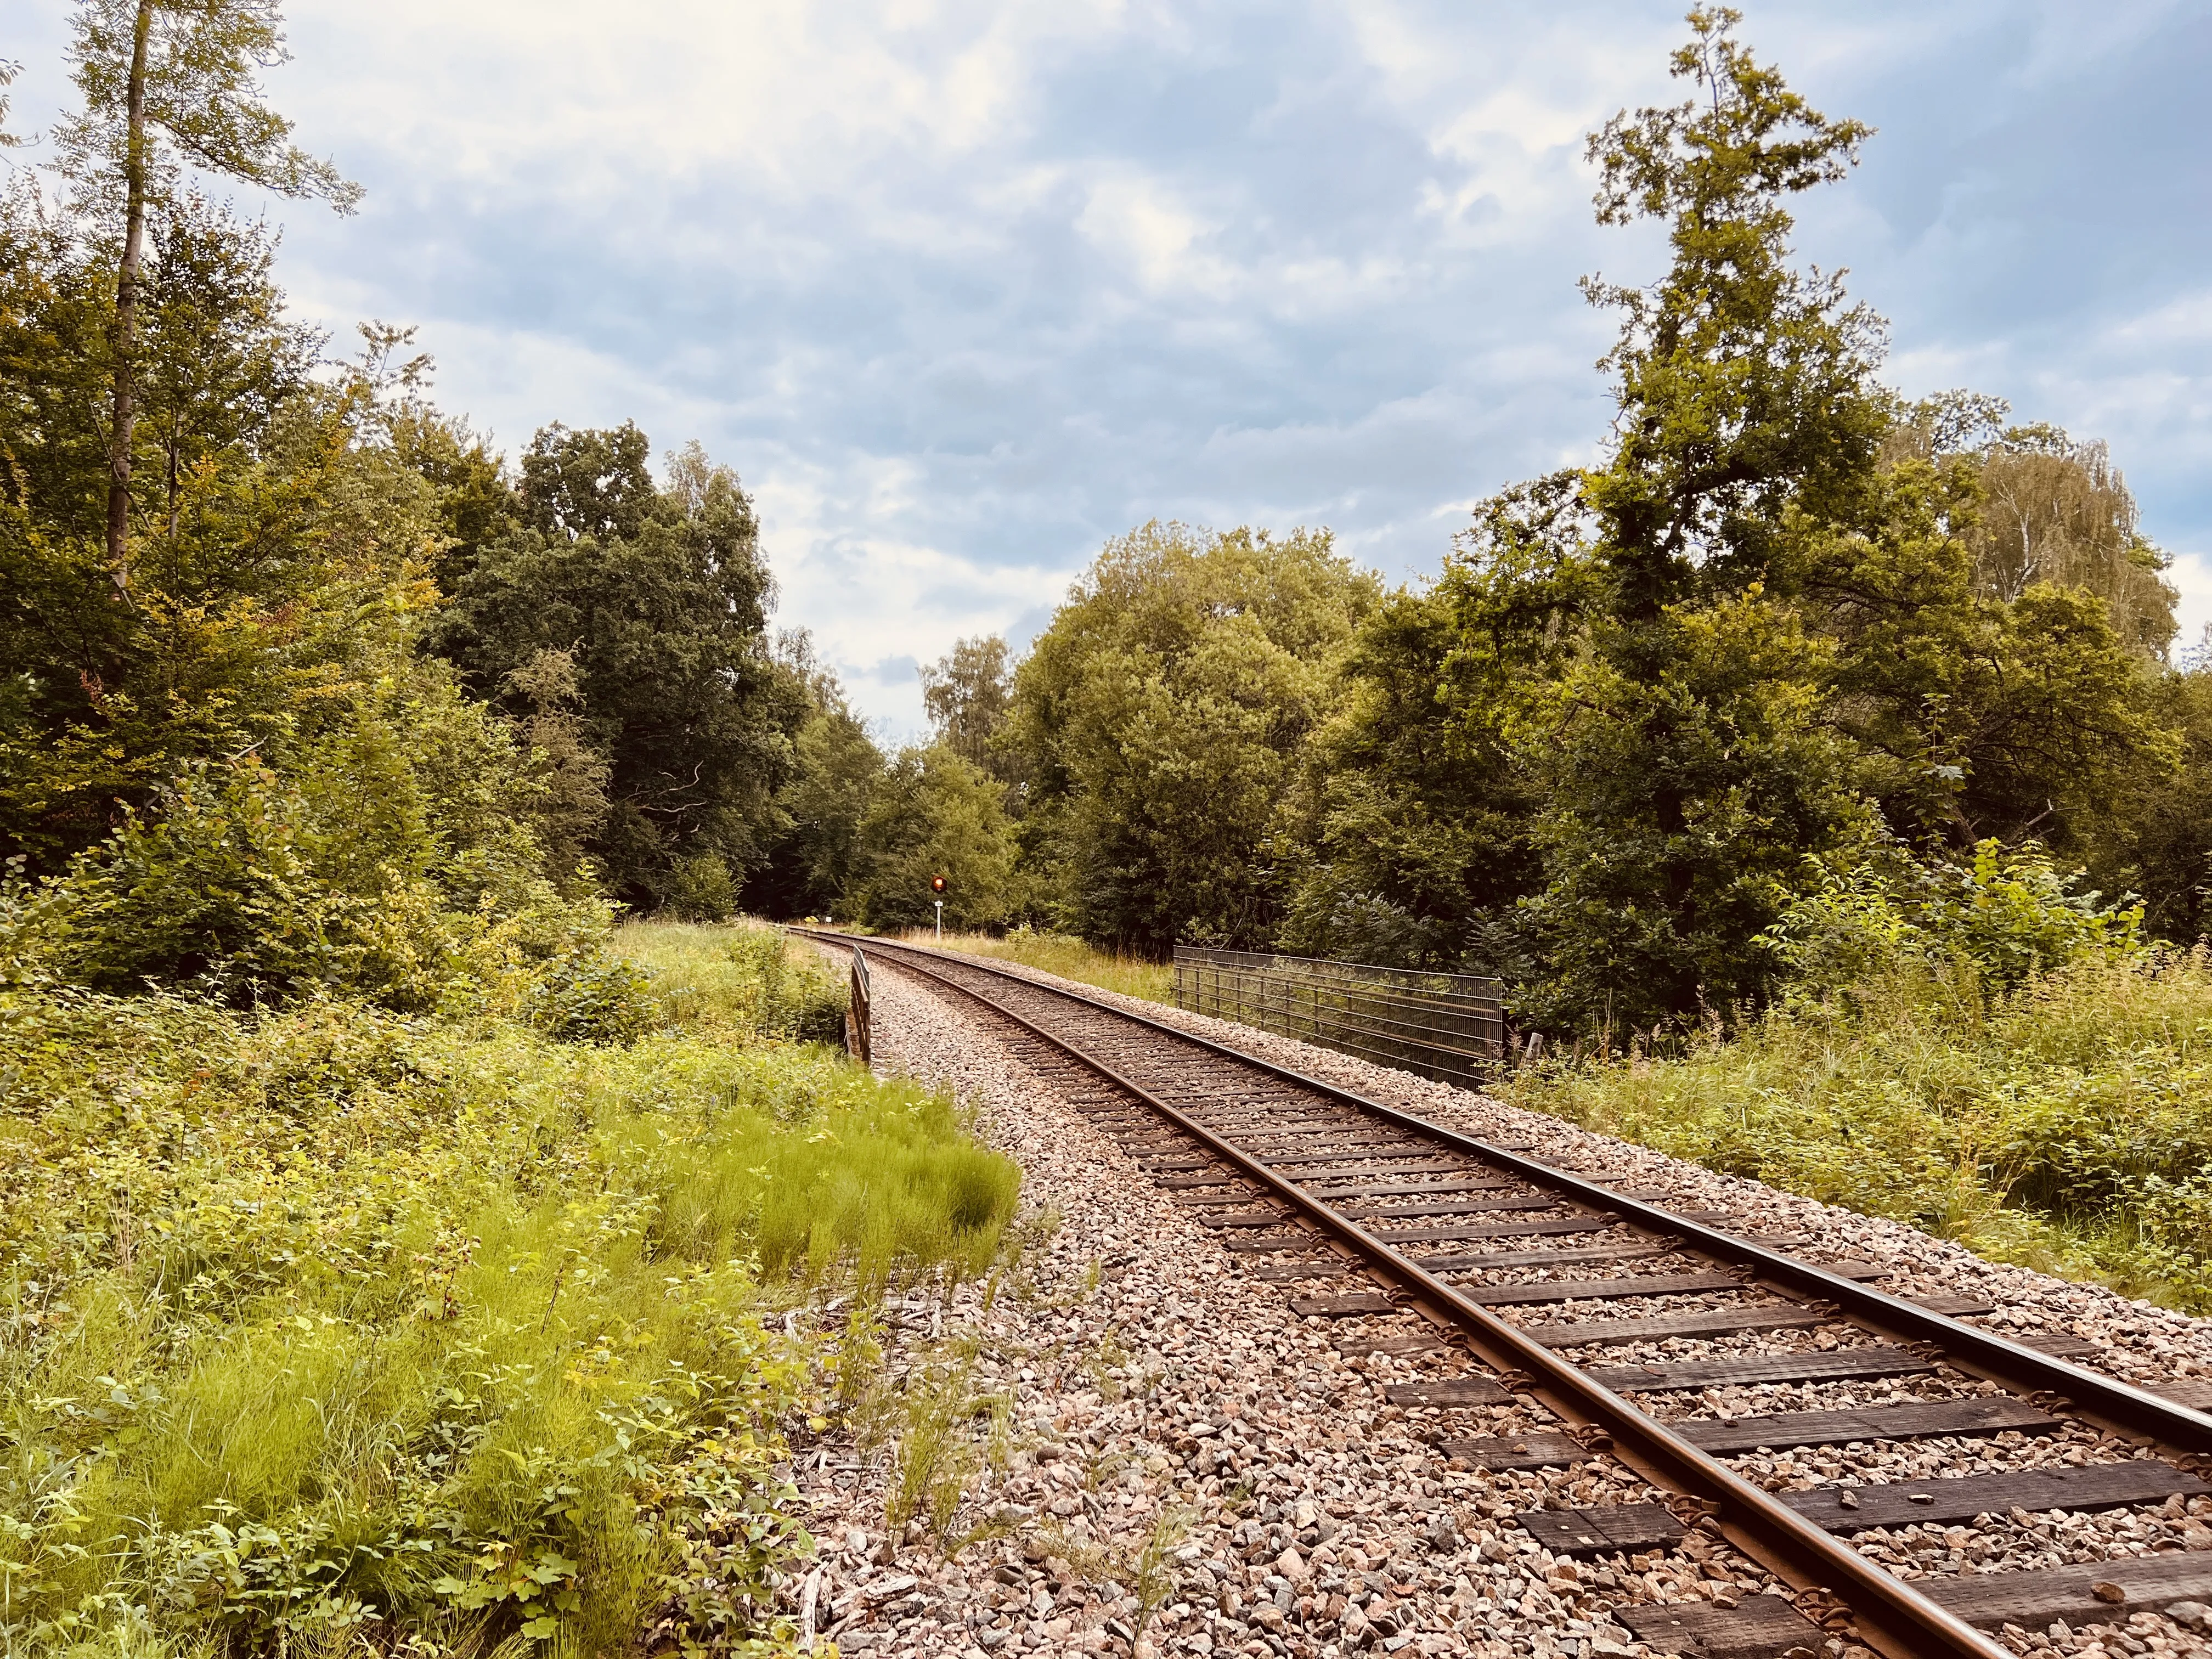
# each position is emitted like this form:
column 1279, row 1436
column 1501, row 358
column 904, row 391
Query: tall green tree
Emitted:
column 1410, row 829
column 1604, row 752
column 285, row 544
column 658, row 597
column 968, row 693
column 932, row 813
column 1743, row 385
column 1686, row 771
column 167, row 85
column 816, row 860
column 1159, row 719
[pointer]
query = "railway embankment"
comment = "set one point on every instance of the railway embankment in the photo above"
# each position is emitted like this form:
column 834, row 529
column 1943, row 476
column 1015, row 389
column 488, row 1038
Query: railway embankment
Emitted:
column 1181, row 1432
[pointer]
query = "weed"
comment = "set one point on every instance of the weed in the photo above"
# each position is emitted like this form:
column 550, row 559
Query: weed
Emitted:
column 859, row 1356
column 1068, row 958
column 1151, row 1575
column 935, row 1456
column 331, row 1317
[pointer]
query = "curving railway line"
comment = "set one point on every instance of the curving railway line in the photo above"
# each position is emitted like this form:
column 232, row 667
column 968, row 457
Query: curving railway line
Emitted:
column 1540, row 1276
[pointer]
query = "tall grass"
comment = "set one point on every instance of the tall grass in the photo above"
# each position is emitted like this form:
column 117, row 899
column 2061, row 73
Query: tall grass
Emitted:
column 332, row 1328
column 736, row 977
column 2066, row 1125
column 1070, row 958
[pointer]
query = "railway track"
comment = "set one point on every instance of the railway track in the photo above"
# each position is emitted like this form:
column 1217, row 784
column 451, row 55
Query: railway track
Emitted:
column 1534, row 1282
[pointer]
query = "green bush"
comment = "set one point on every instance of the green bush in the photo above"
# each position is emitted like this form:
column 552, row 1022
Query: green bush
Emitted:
column 333, row 1321
column 700, row 889
column 591, row 997
column 2010, row 914
column 2065, row 1123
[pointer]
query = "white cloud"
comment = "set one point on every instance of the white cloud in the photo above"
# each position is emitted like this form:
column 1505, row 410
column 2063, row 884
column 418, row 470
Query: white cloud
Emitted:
column 1140, row 220
column 961, row 287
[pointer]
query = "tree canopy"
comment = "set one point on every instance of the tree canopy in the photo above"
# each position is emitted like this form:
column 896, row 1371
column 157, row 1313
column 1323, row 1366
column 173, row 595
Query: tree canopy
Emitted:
column 356, row 691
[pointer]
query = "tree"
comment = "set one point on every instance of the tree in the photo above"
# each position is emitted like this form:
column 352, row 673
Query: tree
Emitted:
column 1160, row 718
column 592, row 483
column 816, row 856
column 659, row 597
column 968, row 693
column 168, row 84
column 1643, row 703
column 284, row 561
column 2049, row 509
column 933, row 812
column 1411, row 825
column 1744, row 386
column 1686, row 771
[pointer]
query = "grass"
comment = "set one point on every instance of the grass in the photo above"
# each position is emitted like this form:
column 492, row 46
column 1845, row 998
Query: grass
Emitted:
column 332, row 1330
column 1070, row 958
column 2065, row 1125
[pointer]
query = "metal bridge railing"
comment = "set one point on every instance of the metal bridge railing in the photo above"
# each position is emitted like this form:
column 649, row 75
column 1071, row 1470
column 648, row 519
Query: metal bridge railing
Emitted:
column 1450, row 1027
column 858, row 1037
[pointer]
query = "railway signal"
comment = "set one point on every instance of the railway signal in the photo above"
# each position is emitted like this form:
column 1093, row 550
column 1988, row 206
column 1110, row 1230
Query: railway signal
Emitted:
column 937, row 887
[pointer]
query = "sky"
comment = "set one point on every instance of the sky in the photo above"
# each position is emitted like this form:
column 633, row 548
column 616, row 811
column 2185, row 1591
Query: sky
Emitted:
column 961, row 290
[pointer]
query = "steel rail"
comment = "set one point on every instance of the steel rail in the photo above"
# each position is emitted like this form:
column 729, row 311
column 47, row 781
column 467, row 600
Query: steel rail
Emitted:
column 2106, row 1400
column 1887, row 1613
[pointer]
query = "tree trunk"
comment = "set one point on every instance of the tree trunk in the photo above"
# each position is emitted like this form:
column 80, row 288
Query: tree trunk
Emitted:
column 127, row 307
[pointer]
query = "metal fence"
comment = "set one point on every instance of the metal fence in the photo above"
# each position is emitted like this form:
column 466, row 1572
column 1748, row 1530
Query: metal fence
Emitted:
column 859, row 1038
column 1450, row 1027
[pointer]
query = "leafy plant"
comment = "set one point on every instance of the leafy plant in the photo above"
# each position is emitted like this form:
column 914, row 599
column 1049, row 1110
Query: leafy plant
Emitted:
column 331, row 1315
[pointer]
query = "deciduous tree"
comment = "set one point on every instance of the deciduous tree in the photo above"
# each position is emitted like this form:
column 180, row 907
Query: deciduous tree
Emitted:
column 169, row 85
column 1160, row 718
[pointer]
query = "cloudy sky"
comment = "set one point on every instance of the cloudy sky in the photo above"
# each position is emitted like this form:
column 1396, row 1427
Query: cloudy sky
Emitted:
column 962, row 289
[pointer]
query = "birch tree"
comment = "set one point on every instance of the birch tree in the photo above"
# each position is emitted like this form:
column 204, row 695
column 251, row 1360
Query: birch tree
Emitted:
column 170, row 85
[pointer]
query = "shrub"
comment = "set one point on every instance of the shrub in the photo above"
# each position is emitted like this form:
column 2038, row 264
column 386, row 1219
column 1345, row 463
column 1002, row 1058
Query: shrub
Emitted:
column 700, row 889
column 2008, row 915
column 2065, row 1123
column 588, row 996
column 335, row 1320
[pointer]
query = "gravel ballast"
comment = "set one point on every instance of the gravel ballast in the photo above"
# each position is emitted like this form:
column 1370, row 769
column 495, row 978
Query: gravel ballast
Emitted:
column 1152, row 1453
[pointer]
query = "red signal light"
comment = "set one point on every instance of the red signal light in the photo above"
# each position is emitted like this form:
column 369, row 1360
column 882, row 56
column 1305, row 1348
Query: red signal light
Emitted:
column 937, row 884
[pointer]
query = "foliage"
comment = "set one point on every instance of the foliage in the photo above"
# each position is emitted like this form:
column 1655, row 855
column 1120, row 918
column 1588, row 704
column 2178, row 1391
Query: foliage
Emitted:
column 1068, row 958
column 2156, row 837
column 274, row 591
column 2052, row 511
column 657, row 598
column 2005, row 918
column 932, row 813
column 201, row 101
column 335, row 1320
column 1775, row 633
column 1411, row 825
column 1159, row 719
column 2061, row 1123
column 968, row 693
column 388, row 861
column 835, row 768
